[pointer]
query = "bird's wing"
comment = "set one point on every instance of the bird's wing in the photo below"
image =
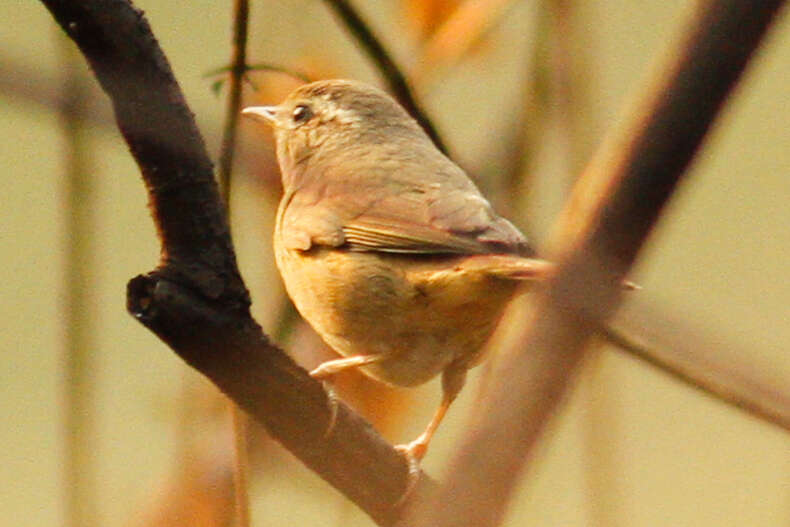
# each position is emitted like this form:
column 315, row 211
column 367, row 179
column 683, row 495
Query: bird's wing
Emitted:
column 445, row 217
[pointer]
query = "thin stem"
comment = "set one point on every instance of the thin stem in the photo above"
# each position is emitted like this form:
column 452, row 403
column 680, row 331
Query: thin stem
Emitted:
column 731, row 386
column 394, row 76
column 238, row 67
column 241, row 464
column 241, row 14
column 81, row 503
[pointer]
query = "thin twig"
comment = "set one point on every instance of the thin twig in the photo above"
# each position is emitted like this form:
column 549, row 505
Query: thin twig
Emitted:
column 241, row 464
column 79, row 385
column 386, row 66
column 595, row 252
column 732, row 385
column 238, row 68
column 261, row 66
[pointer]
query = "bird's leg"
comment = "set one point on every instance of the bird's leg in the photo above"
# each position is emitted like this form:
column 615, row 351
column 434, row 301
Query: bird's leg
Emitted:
column 453, row 379
column 327, row 369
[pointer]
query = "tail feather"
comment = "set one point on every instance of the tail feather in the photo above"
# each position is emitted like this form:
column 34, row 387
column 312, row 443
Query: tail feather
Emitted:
column 511, row 267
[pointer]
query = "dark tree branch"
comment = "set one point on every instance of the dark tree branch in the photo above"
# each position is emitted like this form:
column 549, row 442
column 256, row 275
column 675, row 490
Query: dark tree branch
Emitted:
column 196, row 301
column 636, row 180
column 162, row 135
column 386, row 65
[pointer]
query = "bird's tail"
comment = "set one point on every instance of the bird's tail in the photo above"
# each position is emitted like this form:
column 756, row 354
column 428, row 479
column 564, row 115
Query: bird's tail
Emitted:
column 514, row 267
column 510, row 266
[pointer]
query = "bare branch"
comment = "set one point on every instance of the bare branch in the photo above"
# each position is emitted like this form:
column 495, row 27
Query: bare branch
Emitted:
column 636, row 179
column 718, row 372
column 195, row 301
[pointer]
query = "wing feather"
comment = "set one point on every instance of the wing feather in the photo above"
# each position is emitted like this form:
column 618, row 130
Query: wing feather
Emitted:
column 406, row 215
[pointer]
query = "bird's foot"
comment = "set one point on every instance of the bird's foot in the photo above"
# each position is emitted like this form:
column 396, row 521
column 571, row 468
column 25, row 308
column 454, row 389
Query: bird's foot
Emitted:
column 333, row 402
column 413, row 452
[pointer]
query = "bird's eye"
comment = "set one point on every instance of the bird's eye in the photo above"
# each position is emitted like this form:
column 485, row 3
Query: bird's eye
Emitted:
column 302, row 113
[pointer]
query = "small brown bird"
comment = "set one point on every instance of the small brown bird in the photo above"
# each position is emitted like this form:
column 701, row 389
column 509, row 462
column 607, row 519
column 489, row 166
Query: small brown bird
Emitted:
column 385, row 246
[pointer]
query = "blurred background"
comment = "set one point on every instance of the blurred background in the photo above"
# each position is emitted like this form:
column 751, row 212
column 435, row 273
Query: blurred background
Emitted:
column 522, row 92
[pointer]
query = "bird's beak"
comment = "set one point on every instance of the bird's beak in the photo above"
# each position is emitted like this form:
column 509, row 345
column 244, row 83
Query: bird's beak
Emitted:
column 266, row 114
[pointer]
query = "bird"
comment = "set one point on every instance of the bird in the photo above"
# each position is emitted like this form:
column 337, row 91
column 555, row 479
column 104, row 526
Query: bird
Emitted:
column 385, row 245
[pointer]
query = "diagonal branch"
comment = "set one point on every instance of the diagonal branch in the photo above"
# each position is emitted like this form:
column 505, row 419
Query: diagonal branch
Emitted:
column 716, row 371
column 196, row 301
column 635, row 180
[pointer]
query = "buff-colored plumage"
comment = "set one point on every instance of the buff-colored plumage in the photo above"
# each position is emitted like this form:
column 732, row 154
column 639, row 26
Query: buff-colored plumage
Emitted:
column 385, row 246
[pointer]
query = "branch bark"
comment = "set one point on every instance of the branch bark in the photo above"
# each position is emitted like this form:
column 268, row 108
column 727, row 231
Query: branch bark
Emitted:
column 634, row 181
column 195, row 300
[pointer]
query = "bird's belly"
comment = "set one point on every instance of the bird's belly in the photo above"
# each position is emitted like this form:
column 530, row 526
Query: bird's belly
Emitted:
column 421, row 313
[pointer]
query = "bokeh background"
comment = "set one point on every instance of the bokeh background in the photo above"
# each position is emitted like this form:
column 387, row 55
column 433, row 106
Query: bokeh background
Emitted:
column 522, row 91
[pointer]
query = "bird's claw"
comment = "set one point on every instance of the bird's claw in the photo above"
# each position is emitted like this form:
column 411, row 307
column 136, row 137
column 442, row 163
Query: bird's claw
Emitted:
column 413, row 452
column 332, row 401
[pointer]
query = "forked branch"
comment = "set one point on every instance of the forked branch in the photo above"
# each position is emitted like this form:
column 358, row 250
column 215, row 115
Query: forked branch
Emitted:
column 196, row 301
